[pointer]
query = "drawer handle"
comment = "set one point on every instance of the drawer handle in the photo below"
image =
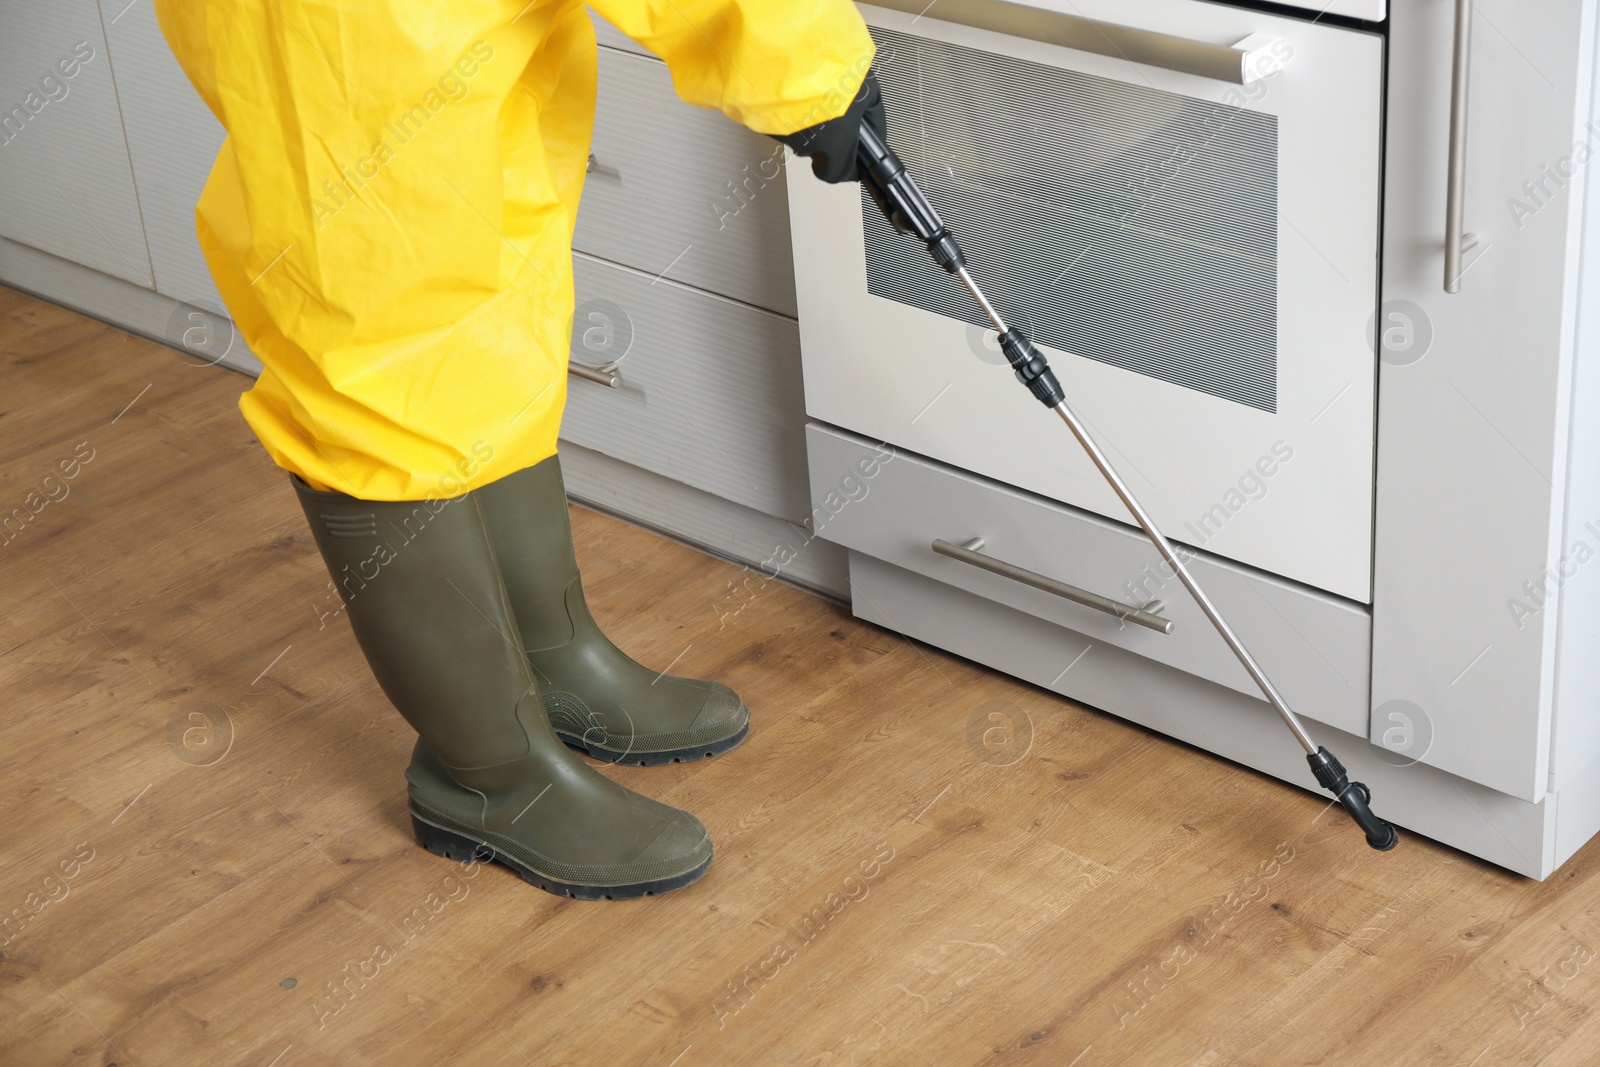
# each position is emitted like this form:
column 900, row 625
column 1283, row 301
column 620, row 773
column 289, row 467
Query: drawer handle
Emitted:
column 594, row 166
column 608, row 378
column 968, row 553
column 1240, row 64
column 1456, row 239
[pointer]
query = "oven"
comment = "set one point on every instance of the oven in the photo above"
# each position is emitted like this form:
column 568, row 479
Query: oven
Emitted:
column 1179, row 202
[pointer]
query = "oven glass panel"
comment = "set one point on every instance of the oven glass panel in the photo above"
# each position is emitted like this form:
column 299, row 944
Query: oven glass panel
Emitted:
column 1114, row 221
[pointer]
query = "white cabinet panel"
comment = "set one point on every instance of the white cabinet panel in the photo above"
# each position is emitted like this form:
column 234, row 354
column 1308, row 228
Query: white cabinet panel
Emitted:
column 710, row 393
column 172, row 140
column 1574, row 584
column 715, row 216
column 1474, row 414
column 1316, row 648
column 63, row 160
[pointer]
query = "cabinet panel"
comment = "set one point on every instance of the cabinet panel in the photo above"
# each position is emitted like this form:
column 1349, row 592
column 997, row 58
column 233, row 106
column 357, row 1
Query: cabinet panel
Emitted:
column 1473, row 423
column 710, row 393
column 684, row 192
column 63, row 161
column 1315, row 648
column 1575, row 737
column 172, row 141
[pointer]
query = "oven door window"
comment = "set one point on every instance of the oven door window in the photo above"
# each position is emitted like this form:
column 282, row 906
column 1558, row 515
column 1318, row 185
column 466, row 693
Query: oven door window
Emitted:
column 1118, row 222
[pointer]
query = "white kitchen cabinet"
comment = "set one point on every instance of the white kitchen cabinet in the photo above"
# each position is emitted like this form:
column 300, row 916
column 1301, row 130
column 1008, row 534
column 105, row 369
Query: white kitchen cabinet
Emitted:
column 64, row 164
column 1478, row 492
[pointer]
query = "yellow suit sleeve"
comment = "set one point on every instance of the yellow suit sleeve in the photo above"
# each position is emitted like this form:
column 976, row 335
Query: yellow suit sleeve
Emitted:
column 775, row 66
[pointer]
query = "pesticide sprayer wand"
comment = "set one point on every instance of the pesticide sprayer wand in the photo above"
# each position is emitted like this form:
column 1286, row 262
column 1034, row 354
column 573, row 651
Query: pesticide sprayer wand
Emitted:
column 909, row 212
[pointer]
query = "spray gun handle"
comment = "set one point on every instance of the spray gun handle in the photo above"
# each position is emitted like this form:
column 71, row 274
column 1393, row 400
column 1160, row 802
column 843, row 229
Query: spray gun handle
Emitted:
column 902, row 203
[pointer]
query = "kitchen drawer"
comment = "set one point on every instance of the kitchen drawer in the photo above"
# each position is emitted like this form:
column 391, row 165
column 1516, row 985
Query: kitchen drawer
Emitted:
column 1316, row 648
column 710, row 392
column 684, row 192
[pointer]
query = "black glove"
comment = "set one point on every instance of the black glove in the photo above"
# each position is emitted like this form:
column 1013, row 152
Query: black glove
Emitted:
column 831, row 145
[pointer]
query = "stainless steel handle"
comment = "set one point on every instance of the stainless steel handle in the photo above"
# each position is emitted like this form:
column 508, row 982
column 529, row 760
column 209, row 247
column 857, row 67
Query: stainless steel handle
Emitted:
column 594, row 166
column 968, row 553
column 608, row 378
column 1456, row 239
column 1239, row 64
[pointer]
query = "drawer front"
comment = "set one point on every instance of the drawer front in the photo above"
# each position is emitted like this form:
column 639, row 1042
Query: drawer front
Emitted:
column 683, row 192
column 1315, row 648
column 710, row 390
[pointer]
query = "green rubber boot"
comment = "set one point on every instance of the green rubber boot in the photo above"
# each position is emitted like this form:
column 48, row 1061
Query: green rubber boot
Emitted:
column 489, row 778
column 599, row 700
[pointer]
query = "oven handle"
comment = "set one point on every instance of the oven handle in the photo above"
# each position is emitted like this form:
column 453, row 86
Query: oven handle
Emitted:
column 968, row 553
column 1253, row 58
column 1456, row 239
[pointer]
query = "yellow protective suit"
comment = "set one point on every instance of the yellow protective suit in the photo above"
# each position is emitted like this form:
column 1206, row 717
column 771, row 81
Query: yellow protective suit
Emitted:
column 390, row 218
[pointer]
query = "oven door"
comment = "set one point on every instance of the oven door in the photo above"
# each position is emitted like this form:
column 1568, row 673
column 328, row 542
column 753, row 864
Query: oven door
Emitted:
column 1179, row 202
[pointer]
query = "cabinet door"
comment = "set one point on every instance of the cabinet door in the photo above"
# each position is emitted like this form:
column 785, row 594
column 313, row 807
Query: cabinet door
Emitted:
column 684, row 192
column 710, row 390
column 63, row 160
column 1474, row 416
column 172, row 141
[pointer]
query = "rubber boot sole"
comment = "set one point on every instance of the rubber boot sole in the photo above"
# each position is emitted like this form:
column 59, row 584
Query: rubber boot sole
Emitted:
column 462, row 849
column 655, row 759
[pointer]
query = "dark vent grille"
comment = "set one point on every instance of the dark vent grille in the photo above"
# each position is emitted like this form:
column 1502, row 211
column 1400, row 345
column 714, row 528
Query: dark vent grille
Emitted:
column 1117, row 222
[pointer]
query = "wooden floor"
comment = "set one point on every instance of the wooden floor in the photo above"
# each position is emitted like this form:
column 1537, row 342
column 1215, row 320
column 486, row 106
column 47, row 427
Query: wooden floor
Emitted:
column 205, row 856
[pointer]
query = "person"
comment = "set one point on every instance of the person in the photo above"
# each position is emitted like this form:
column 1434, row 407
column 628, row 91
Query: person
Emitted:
column 389, row 222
